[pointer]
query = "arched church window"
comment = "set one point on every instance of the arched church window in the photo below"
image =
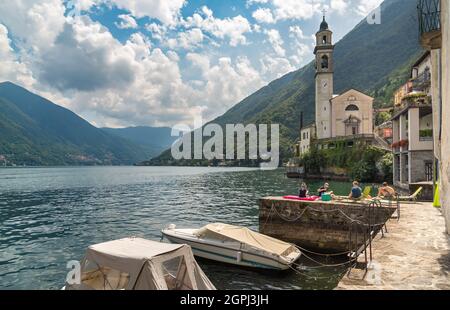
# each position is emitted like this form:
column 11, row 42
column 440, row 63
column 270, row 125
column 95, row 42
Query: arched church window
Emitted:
column 352, row 107
column 324, row 62
column 324, row 40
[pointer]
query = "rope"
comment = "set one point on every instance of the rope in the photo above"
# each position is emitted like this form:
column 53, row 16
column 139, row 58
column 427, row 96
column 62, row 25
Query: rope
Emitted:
column 352, row 261
column 316, row 277
column 287, row 219
column 309, row 208
column 322, row 254
column 327, row 265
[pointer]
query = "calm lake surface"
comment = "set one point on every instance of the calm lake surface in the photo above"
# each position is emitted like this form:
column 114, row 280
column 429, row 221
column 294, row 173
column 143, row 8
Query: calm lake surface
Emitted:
column 49, row 216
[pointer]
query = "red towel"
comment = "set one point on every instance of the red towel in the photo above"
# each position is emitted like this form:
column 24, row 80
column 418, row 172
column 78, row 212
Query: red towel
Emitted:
column 312, row 198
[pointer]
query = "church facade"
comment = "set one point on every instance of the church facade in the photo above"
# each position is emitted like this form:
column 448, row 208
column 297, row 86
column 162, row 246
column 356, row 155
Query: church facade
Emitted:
column 348, row 116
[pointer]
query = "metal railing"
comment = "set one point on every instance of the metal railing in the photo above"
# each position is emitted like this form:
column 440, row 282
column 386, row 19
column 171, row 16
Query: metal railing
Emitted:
column 423, row 81
column 429, row 15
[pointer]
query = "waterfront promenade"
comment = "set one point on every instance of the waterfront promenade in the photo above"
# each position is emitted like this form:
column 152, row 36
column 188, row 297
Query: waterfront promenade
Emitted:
column 413, row 255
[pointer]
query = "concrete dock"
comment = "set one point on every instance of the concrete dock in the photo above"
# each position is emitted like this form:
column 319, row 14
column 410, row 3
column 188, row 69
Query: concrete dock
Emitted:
column 413, row 255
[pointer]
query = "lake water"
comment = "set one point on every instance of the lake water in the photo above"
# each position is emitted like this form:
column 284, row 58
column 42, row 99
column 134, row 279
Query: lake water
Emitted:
column 49, row 216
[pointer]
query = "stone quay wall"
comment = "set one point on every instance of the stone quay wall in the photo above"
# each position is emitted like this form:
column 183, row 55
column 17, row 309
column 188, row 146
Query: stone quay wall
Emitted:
column 328, row 227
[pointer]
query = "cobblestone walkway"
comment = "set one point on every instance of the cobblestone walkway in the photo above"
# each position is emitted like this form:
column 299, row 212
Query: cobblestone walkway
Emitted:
column 414, row 255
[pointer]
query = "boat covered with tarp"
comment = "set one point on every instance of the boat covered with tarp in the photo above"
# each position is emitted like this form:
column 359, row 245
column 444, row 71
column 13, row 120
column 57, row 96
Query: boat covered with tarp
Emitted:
column 139, row 264
column 236, row 245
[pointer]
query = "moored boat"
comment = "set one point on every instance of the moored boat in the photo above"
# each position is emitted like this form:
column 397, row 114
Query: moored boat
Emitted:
column 236, row 245
column 139, row 264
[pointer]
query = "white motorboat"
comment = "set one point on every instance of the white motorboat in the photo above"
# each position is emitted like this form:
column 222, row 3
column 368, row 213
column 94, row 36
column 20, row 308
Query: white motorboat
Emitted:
column 236, row 245
column 139, row 264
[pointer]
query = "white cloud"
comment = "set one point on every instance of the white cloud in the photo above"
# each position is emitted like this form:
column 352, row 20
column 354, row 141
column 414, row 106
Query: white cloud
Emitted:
column 339, row 6
column 86, row 69
column 145, row 80
column 364, row 7
column 11, row 69
column 187, row 40
column 275, row 66
column 296, row 32
column 233, row 29
column 226, row 82
column 251, row 2
column 276, row 41
column 263, row 15
column 296, row 9
column 25, row 17
column 5, row 48
column 305, row 9
column 126, row 22
column 166, row 11
column 157, row 31
column 302, row 50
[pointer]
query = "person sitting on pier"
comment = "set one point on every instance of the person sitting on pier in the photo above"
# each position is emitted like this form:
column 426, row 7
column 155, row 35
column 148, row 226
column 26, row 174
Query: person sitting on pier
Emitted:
column 356, row 192
column 303, row 191
column 324, row 189
column 386, row 191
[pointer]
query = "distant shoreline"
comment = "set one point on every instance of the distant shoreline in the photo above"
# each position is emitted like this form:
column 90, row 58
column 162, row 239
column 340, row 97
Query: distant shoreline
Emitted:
column 121, row 166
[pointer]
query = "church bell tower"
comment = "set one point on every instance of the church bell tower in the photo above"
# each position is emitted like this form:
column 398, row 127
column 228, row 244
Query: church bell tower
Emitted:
column 324, row 80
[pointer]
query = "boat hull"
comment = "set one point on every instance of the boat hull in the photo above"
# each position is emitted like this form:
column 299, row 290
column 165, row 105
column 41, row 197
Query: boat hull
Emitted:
column 226, row 253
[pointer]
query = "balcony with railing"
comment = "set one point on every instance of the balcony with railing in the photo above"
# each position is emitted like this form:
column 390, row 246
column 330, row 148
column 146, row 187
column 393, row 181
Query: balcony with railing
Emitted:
column 429, row 12
column 426, row 135
column 413, row 100
column 422, row 82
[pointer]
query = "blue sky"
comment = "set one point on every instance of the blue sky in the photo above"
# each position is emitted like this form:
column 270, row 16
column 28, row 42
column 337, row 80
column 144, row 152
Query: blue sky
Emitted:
column 157, row 62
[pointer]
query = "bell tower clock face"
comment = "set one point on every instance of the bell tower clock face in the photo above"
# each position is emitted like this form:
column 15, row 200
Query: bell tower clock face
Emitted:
column 324, row 86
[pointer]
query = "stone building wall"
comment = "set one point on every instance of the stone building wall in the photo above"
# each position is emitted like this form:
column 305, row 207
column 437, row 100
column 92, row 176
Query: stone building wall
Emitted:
column 445, row 142
column 324, row 226
column 417, row 162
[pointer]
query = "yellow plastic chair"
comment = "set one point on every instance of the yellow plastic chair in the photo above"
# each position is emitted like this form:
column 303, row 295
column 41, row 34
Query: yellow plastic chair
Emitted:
column 413, row 197
column 367, row 191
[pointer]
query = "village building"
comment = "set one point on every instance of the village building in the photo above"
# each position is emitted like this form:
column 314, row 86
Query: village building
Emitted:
column 307, row 135
column 341, row 120
column 434, row 22
column 412, row 124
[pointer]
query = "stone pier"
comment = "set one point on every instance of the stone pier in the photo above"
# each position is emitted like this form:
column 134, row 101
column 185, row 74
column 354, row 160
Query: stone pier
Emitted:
column 413, row 255
column 328, row 227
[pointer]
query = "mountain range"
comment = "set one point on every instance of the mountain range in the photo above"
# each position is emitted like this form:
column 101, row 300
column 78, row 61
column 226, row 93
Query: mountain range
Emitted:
column 373, row 58
column 37, row 132
column 153, row 140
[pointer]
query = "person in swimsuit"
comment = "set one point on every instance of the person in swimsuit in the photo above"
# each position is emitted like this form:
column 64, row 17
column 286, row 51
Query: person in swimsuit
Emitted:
column 303, row 191
column 386, row 191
